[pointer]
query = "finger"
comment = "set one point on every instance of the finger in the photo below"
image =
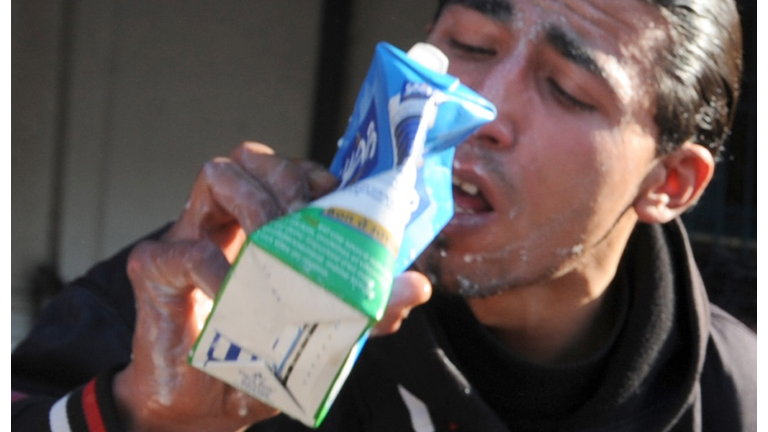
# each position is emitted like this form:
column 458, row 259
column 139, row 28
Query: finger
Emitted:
column 321, row 181
column 170, row 270
column 285, row 180
column 409, row 290
column 164, row 277
column 224, row 198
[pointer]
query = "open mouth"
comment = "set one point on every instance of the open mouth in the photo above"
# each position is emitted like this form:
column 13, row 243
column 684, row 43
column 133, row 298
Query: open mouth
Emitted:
column 468, row 199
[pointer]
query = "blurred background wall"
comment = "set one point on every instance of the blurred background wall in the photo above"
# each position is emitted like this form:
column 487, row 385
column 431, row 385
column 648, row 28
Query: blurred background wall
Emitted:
column 116, row 104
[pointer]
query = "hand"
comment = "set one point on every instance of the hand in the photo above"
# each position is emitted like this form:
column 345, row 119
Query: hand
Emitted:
column 231, row 197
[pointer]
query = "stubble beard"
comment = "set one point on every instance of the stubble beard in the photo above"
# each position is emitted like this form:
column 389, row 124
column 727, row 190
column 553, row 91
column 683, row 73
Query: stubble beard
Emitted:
column 489, row 275
column 472, row 283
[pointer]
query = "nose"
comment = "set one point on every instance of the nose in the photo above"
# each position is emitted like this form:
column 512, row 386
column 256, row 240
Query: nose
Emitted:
column 507, row 83
column 498, row 133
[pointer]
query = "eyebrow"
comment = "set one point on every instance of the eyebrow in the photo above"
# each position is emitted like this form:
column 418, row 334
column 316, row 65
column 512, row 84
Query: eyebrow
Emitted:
column 499, row 10
column 573, row 49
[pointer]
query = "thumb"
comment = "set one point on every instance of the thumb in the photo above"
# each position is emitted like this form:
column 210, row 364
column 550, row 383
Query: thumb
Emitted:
column 409, row 290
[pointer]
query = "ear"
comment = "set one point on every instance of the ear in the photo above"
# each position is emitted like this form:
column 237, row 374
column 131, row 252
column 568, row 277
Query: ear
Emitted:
column 674, row 184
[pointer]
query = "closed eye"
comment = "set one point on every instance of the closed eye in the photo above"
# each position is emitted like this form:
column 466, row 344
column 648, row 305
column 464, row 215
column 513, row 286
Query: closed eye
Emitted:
column 471, row 49
column 567, row 98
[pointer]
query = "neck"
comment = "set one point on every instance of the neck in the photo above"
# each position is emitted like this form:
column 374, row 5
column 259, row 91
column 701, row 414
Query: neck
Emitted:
column 565, row 319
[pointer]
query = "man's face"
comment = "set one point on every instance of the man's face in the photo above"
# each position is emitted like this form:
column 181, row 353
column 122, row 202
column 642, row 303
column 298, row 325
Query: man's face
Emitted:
column 543, row 186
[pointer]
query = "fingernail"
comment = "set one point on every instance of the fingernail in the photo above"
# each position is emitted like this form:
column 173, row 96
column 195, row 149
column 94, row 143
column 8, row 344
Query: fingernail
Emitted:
column 296, row 205
column 322, row 177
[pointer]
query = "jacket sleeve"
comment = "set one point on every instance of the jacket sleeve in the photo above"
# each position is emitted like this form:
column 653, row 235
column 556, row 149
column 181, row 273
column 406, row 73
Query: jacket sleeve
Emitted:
column 729, row 378
column 61, row 373
column 89, row 407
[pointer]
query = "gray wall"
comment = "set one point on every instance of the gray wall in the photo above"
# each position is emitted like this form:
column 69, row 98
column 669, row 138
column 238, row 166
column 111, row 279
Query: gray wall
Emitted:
column 34, row 77
column 116, row 104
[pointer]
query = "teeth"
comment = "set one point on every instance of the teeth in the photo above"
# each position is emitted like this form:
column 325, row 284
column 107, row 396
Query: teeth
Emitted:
column 466, row 187
column 461, row 210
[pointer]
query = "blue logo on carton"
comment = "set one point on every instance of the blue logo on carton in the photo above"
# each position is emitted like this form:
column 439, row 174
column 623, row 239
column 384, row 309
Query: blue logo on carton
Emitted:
column 412, row 89
column 224, row 350
column 409, row 111
column 361, row 158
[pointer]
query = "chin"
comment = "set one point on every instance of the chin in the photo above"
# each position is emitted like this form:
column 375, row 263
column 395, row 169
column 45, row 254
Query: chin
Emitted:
column 452, row 278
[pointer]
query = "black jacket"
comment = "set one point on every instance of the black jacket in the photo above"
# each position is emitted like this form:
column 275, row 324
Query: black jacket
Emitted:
column 676, row 362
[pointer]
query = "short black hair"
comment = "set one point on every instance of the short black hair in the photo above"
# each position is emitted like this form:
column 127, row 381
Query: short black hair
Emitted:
column 699, row 75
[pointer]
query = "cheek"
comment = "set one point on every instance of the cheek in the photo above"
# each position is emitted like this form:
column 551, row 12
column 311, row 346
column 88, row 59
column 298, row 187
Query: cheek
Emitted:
column 622, row 165
column 571, row 192
column 562, row 172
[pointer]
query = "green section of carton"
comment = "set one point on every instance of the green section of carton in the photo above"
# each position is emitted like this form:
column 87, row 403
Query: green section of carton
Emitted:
column 344, row 260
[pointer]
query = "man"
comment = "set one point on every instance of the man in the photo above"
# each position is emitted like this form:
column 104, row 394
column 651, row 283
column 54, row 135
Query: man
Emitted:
column 566, row 295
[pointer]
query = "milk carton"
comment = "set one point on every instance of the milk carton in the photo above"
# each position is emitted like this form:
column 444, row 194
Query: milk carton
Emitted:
column 306, row 289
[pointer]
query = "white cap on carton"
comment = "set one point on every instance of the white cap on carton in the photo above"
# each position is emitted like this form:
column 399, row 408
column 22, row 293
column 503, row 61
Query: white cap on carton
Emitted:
column 429, row 56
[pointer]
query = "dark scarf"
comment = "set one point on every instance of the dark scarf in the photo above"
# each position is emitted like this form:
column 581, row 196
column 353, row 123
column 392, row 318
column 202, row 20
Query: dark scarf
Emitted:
column 643, row 380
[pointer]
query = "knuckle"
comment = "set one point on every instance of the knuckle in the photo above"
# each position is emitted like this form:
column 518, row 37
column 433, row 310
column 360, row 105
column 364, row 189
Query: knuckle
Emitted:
column 201, row 252
column 138, row 259
column 212, row 167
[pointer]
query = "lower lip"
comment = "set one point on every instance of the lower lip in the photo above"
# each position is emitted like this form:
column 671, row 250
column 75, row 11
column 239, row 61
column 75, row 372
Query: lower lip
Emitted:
column 477, row 212
column 462, row 222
